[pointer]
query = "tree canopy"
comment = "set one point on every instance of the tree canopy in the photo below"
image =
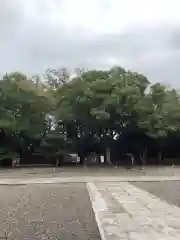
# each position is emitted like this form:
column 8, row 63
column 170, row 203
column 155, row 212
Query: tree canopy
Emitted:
column 110, row 112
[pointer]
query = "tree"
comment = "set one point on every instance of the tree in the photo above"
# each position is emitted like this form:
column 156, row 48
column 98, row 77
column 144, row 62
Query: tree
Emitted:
column 101, row 104
column 56, row 77
column 24, row 109
column 159, row 113
column 90, row 111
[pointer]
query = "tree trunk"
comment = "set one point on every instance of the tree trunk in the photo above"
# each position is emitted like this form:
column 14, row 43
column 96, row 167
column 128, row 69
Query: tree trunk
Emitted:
column 82, row 160
column 143, row 157
column 108, row 156
column 159, row 157
column 57, row 162
column 132, row 159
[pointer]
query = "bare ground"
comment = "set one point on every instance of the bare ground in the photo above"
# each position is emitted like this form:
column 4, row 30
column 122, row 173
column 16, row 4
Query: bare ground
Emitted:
column 88, row 171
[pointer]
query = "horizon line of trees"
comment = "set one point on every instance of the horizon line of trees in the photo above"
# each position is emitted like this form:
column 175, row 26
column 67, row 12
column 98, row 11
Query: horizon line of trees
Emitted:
column 113, row 112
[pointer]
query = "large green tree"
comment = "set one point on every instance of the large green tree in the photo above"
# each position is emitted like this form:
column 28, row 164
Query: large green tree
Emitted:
column 159, row 114
column 101, row 104
column 24, row 108
column 89, row 111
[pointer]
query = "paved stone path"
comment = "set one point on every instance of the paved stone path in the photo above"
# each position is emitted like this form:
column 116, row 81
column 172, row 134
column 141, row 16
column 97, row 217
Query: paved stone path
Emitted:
column 76, row 179
column 126, row 212
column 122, row 211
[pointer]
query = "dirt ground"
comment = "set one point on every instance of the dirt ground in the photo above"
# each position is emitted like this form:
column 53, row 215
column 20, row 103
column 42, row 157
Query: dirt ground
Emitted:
column 51, row 211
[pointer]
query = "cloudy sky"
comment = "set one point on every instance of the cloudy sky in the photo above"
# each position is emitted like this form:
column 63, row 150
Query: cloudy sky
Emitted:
column 141, row 35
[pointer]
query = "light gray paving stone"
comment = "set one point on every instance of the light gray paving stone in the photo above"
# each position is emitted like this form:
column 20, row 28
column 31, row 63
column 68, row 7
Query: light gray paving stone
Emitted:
column 145, row 216
column 19, row 180
column 112, row 204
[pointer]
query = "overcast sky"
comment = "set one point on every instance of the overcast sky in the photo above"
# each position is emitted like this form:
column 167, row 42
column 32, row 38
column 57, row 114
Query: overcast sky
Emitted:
column 141, row 35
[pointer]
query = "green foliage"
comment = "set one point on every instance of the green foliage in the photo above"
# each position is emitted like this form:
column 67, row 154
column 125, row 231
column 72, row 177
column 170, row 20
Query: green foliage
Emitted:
column 94, row 108
column 6, row 153
column 24, row 106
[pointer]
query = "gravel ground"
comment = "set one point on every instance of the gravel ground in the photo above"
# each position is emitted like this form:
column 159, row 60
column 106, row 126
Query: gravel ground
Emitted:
column 88, row 171
column 58, row 211
column 166, row 190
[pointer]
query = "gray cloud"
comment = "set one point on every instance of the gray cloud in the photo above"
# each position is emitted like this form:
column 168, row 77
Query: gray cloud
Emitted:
column 32, row 44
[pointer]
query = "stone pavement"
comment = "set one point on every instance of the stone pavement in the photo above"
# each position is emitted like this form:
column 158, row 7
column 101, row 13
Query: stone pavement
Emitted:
column 84, row 179
column 122, row 210
column 125, row 212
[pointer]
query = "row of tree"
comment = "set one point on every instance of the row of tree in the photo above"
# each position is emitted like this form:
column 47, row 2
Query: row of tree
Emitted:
column 113, row 113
